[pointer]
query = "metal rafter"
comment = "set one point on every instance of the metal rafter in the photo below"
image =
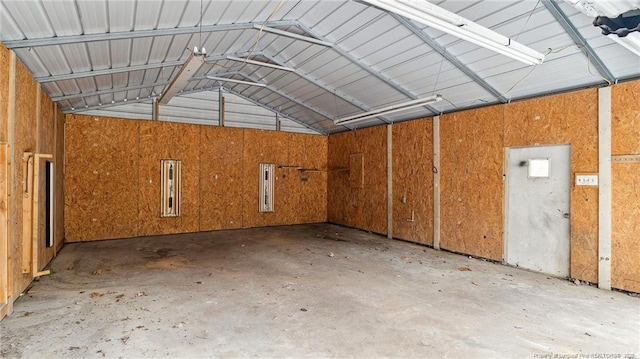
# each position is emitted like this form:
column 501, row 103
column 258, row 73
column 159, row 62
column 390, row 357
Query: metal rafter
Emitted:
column 367, row 68
column 452, row 59
column 108, row 91
column 280, row 113
column 291, row 98
column 327, row 88
column 116, row 70
column 74, row 39
column 582, row 43
column 106, row 105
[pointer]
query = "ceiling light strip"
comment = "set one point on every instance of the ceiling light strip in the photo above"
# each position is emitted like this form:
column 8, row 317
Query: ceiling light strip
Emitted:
column 178, row 83
column 450, row 23
column 388, row 110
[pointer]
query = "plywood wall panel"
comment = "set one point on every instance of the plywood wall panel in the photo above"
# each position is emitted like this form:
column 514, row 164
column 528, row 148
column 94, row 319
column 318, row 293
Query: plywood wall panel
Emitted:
column 625, row 118
column 566, row 118
column 221, row 177
column 625, row 129
column 308, row 151
column 625, row 246
column 46, row 127
column 46, row 145
column 168, row 141
column 366, row 207
column 264, row 147
column 305, row 183
column 471, row 162
column 5, row 69
column 413, row 181
column 25, row 140
column 101, row 178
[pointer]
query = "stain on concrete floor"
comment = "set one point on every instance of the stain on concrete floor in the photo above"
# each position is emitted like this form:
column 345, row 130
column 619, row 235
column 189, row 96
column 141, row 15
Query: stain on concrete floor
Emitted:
column 306, row 291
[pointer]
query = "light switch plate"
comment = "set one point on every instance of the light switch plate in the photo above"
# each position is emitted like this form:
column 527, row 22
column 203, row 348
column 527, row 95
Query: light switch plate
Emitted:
column 586, row 179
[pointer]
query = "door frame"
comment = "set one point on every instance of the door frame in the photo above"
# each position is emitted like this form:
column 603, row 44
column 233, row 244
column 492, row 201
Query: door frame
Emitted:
column 505, row 163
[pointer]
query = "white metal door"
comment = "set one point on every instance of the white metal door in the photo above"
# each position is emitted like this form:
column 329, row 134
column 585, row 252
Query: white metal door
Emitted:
column 537, row 208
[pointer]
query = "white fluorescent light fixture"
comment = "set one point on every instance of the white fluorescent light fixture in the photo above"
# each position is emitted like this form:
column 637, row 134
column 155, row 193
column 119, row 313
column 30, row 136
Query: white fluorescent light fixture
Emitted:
column 438, row 18
column 224, row 79
column 292, row 35
column 388, row 110
column 193, row 63
column 260, row 63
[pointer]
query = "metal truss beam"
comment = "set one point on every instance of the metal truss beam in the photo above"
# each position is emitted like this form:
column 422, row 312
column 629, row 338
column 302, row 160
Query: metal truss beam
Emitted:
column 121, row 35
column 327, row 88
column 582, row 43
column 452, row 59
column 108, row 91
column 368, row 69
column 279, row 113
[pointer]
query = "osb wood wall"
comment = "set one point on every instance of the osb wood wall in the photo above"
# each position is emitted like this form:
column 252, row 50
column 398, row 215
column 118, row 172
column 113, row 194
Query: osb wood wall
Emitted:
column 568, row 118
column 172, row 141
column 221, row 176
column 473, row 145
column 361, row 207
column 5, row 69
column 471, row 182
column 119, row 197
column 31, row 115
column 25, row 139
column 46, row 145
column 101, row 178
column 412, row 171
column 625, row 246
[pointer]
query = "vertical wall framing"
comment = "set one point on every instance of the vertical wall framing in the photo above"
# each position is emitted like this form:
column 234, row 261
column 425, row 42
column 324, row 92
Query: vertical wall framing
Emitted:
column 49, row 201
column 604, row 188
column 436, row 182
column 390, row 181
column 267, row 177
column 4, row 230
column 170, row 190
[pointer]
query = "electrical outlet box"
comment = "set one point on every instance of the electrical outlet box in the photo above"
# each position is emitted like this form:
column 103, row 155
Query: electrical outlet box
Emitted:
column 586, row 179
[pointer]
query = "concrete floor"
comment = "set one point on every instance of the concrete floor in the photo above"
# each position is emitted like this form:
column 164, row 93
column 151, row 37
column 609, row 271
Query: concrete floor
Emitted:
column 307, row 291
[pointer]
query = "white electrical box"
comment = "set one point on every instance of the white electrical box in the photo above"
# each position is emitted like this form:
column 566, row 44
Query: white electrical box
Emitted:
column 586, row 179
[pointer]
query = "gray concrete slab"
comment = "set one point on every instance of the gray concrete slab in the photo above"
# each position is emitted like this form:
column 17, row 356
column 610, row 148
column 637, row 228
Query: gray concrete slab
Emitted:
column 307, row 291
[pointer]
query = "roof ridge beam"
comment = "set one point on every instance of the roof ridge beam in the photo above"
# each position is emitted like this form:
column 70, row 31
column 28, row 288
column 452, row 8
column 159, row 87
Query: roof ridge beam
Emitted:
column 449, row 57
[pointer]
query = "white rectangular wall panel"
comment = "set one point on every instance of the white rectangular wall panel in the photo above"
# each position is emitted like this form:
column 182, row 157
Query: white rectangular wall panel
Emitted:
column 267, row 178
column 170, row 191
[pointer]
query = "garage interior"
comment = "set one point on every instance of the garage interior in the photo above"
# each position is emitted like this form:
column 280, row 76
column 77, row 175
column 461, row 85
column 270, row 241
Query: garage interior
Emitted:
column 319, row 178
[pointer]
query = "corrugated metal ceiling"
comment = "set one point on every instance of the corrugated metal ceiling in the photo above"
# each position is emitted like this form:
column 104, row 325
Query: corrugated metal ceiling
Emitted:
column 91, row 56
